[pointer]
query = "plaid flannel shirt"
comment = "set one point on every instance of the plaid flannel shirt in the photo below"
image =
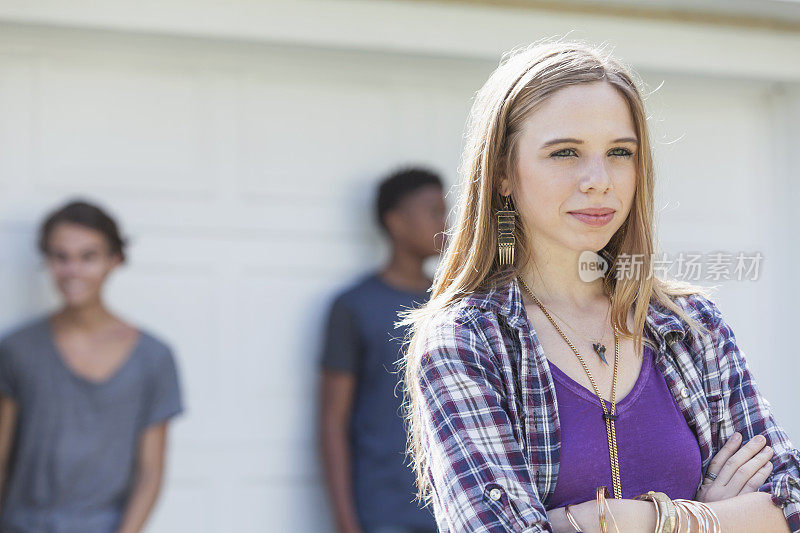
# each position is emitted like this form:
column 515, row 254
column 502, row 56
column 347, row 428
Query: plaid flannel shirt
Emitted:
column 490, row 418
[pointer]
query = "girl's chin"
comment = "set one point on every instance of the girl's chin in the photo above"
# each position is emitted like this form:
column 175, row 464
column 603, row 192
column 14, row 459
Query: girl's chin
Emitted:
column 595, row 242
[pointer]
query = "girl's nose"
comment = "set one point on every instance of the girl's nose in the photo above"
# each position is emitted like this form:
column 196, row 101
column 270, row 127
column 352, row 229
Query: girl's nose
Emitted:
column 595, row 177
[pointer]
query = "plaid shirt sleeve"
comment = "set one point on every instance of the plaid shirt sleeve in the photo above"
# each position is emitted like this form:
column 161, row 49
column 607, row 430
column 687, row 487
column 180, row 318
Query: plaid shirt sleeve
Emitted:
column 751, row 414
column 480, row 477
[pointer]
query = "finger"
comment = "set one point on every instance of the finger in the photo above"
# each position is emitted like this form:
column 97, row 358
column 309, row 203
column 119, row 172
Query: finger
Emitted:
column 758, row 479
column 725, row 453
column 749, row 469
column 730, row 470
column 744, row 454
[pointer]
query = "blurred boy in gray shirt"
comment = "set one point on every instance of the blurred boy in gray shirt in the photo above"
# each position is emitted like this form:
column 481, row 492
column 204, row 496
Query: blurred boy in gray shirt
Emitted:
column 363, row 437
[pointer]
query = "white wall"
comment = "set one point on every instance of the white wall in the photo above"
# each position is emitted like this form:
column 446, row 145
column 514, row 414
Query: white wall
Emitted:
column 244, row 171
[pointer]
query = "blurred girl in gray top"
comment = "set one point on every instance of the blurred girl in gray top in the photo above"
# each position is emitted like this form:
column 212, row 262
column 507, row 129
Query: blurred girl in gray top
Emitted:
column 85, row 397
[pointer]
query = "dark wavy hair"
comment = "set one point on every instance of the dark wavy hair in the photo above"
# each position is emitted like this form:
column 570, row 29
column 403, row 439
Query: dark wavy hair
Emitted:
column 85, row 214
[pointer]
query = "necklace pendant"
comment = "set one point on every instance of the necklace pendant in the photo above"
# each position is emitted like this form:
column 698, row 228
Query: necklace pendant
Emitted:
column 600, row 349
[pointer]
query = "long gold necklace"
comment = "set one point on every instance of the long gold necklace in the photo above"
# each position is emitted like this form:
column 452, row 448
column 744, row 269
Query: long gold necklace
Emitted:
column 597, row 344
column 608, row 417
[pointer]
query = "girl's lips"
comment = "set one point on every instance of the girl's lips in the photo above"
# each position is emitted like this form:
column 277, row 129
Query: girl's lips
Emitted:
column 595, row 221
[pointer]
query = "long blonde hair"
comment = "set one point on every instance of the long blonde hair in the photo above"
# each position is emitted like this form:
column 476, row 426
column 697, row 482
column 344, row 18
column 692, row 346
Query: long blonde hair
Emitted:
column 524, row 79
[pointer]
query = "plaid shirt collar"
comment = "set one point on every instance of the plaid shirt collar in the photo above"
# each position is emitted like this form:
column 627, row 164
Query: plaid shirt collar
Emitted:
column 505, row 299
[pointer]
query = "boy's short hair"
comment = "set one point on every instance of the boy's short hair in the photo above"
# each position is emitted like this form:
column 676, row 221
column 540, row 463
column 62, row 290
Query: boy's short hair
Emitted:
column 400, row 184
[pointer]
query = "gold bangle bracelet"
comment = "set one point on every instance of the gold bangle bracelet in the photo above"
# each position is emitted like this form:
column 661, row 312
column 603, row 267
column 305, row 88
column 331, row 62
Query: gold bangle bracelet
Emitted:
column 602, row 491
column 707, row 519
column 716, row 526
column 572, row 519
column 613, row 519
column 666, row 519
column 695, row 512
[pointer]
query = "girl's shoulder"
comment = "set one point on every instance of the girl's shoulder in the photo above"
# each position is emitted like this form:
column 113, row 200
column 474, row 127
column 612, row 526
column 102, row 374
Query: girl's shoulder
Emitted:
column 694, row 309
column 22, row 335
column 700, row 306
column 155, row 352
column 464, row 329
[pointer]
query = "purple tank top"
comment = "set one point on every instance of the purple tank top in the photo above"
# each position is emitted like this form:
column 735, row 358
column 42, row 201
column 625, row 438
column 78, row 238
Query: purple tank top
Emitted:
column 657, row 449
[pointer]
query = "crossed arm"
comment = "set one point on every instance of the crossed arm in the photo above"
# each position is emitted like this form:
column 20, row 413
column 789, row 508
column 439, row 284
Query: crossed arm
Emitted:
column 747, row 513
column 480, row 474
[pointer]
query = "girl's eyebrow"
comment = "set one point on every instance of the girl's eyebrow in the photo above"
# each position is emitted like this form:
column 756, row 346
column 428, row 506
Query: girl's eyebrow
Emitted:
column 551, row 142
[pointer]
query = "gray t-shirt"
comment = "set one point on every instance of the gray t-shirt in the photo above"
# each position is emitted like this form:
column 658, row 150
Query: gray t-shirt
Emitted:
column 73, row 459
column 361, row 339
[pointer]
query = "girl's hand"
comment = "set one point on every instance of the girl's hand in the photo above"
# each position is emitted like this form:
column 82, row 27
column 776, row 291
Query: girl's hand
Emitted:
column 738, row 472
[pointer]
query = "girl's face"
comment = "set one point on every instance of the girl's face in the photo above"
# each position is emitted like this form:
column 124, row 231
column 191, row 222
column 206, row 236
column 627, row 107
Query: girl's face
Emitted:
column 577, row 151
column 79, row 260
